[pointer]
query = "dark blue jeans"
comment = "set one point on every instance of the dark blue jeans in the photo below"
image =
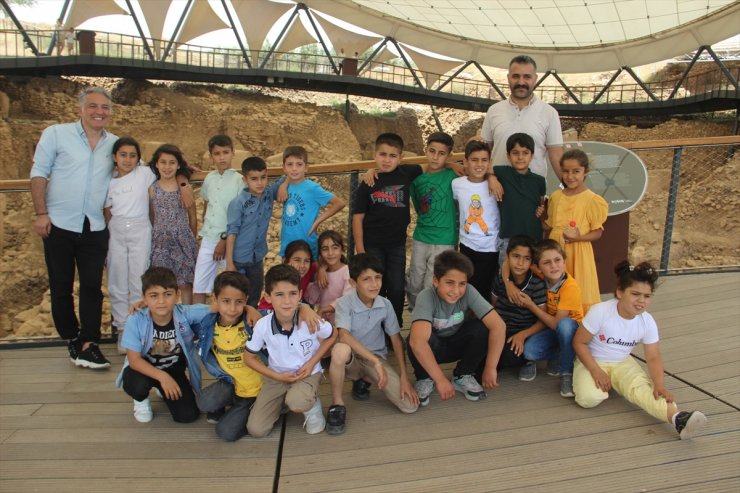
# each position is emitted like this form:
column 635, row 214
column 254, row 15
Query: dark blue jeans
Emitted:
column 545, row 344
column 256, row 274
column 66, row 251
column 394, row 277
column 220, row 394
column 468, row 346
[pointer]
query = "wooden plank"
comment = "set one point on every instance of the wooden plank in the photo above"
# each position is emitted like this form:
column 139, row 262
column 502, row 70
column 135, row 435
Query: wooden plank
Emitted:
column 114, row 485
column 7, row 411
column 4, row 434
column 731, row 483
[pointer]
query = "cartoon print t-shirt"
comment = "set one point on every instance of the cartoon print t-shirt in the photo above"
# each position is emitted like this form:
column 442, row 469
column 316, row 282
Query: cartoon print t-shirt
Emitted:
column 478, row 214
column 386, row 206
column 165, row 350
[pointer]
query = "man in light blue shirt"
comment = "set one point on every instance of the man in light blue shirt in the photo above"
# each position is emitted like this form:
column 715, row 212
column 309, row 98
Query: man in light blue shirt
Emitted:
column 72, row 168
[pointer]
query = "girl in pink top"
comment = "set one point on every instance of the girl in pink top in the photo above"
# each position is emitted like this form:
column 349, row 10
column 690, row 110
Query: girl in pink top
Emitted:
column 328, row 288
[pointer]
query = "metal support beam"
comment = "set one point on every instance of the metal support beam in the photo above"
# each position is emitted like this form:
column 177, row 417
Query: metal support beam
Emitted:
column 686, row 72
column 18, row 24
column 542, row 79
column 665, row 252
column 372, row 55
column 607, row 86
column 722, row 66
column 406, row 61
column 449, row 79
column 141, row 31
column 245, row 55
column 490, row 81
column 436, row 119
column 280, row 36
column 321, row 38
column 177, row 30
column 641, row 83
column 565, row 86
column 50, row 50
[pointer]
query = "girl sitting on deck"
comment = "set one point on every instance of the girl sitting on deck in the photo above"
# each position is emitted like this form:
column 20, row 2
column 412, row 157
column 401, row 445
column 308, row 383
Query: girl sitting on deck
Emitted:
column 603, row 344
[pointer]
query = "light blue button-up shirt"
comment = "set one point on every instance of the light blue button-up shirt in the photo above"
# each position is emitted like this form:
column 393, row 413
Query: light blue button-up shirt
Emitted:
column 78, row 176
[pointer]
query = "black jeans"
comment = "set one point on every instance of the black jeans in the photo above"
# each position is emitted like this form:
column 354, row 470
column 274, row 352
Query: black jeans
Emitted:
column 468, row 346
column 64, row 251
column 394, row 277
column 183, row 410
column 485, row 269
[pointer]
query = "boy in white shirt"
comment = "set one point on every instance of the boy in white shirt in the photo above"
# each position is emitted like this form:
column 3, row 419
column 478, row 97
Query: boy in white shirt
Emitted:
column 293, row 373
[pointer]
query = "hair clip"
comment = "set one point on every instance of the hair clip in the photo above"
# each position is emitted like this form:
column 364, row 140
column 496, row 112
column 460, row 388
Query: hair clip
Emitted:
column 631, row 268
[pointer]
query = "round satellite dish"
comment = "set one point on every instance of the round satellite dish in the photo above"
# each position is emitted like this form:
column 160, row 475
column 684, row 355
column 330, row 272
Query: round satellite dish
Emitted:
column 617, row 174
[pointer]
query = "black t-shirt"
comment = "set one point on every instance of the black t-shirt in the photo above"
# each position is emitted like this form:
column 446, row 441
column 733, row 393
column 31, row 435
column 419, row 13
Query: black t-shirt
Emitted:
column 386, row 206
column 165, row 350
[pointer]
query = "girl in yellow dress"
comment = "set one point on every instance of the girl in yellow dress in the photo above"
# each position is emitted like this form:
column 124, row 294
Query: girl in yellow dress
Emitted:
column 576, row 217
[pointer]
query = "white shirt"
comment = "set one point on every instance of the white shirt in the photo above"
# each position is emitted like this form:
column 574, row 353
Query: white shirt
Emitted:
column 288, row 351
column 479, row 216
column 538, row 119
column 128, row 196
column 614, row 336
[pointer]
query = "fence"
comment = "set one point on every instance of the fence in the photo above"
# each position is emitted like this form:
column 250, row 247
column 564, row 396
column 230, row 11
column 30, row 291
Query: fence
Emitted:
column 687, row 222
column 468, row 83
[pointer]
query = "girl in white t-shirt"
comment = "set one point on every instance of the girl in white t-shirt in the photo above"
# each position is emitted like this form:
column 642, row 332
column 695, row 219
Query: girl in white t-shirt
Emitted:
column 127, row 213
column 604, row 342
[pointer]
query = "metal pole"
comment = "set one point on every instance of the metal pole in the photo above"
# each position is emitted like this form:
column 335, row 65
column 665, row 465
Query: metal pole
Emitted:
column 141, row 31
column 321, row 39
column 641, row 83
column 722, row 67
column 177, row 30
column 408, row 64
column 236, row 33
column 490, row 81
column 18, row 24
column 354, row 182
column 665, row 252
column 280, row 37
column 686, row 72
column 607, row 86
column 372, row 55
column 436, row 119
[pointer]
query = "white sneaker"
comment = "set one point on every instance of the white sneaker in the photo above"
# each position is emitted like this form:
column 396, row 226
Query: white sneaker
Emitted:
column 423, row 388
column 469, row 386
column 143, row 411
column 315, row 421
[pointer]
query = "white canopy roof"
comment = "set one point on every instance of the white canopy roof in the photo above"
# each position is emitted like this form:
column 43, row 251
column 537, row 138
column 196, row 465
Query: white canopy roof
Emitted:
column 565, row 35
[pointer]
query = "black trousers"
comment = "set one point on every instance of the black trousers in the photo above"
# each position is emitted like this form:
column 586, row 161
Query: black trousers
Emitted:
column 468, row 346
column 486, row 268
column 64, row 252
column 183, row 410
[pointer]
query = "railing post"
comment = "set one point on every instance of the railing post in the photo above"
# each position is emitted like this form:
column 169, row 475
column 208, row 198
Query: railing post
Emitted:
column 671, row 209
column 354, row 182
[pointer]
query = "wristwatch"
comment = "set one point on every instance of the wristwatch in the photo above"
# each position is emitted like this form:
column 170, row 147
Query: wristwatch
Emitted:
column 224, row 236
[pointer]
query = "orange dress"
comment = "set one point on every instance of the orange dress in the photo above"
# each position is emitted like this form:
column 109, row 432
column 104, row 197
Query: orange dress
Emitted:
column 589, row 212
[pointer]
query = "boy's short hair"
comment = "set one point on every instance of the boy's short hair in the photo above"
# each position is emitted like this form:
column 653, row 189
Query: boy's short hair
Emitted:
column 524, row 140
column 546, row 245
column 158, row 276
column 520, row 241
column 390, row 139
column 253, row 163
column 362, row 262
column 221, row 141
column 452, row 260
column 295, row 151
column 443, row 138
column 280, row 273
column 475, row 146
column 232, row 279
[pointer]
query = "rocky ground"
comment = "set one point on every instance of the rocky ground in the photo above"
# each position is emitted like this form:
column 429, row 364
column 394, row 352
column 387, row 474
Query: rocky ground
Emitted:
column 263, row 121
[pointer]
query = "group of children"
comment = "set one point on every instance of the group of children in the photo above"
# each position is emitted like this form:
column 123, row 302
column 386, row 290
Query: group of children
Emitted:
column 508, row 297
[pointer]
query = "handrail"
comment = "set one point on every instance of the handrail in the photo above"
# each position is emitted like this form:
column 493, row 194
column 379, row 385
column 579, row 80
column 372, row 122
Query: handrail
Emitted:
column 24, row 185
column 124, row 47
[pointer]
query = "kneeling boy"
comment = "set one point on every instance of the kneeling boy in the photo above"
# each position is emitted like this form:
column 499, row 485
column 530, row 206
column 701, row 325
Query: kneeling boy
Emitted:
column 159, row 348
column 293, row 373
column 362, row 320
column 440, row 333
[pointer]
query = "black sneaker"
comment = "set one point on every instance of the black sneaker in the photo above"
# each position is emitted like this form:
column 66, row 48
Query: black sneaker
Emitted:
column 335, row 418
column 215, row 416
column 74, row 347
column 360, row 390
column 92, row 358
column 688, row 423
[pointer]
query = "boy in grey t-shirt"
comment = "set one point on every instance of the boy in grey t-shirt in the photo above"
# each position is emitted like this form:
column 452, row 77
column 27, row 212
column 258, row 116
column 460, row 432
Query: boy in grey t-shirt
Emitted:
column 440, row 333
column 362, row 319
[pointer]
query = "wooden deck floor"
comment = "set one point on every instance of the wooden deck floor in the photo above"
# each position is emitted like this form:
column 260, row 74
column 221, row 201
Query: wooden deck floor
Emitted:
column 68, row 429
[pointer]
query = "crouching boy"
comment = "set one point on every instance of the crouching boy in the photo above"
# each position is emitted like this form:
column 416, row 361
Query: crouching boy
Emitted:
column 293, row 373
column 159, row 348
column 363, row 318
column 440, row 333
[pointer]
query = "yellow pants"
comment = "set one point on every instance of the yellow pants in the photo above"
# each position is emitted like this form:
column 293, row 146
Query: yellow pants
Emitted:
column 628, row 379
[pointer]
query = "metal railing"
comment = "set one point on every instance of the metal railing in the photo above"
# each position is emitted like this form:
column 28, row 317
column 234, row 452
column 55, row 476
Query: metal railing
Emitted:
column 199, row 58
